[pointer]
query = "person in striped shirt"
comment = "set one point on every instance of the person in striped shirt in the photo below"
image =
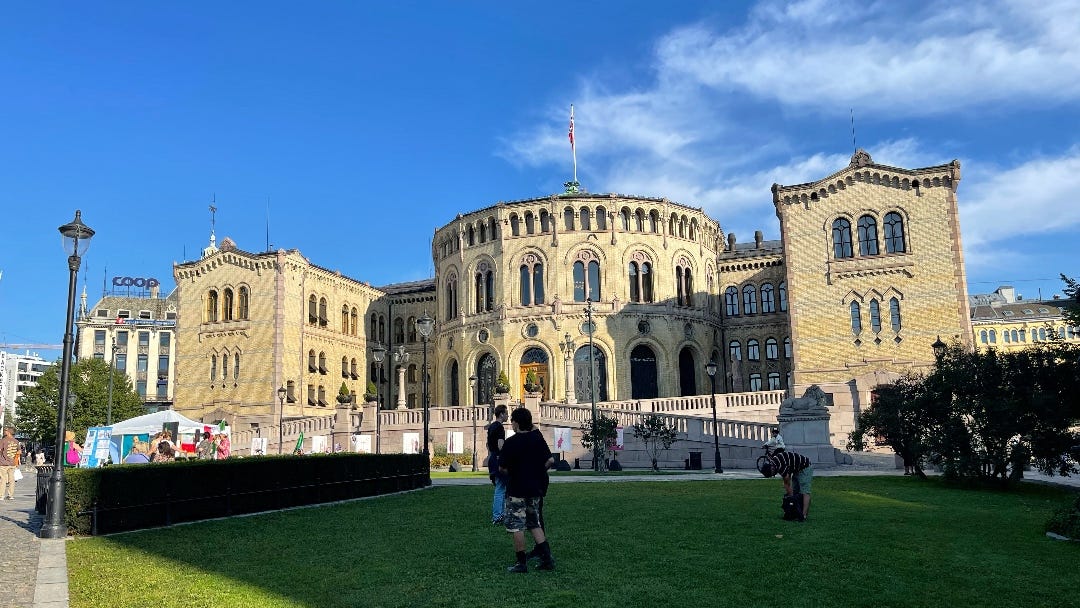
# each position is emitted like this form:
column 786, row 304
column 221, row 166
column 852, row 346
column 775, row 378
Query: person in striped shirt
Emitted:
column 792, row 467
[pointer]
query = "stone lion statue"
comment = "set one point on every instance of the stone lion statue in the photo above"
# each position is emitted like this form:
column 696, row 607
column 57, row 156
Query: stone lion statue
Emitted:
column 814, row 400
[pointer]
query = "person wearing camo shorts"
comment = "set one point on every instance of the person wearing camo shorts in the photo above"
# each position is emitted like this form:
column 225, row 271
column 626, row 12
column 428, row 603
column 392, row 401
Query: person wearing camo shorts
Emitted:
column 525, row 459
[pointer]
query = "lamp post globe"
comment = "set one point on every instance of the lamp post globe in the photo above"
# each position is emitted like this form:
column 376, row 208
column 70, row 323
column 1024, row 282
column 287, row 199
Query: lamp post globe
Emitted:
column 939, row 348
column 425, row 325
column 710, row 368
column 76, row 238
column 378, row 353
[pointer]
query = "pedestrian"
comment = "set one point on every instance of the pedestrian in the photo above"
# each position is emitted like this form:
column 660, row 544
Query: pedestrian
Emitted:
column 72, row 454
column 525, row 459
column 205, row 450
column 224, row 447
column 496, row 435
column 9, row 461
column 164, row 453
column 535, row 553
column 797, row 473
column 138, row 454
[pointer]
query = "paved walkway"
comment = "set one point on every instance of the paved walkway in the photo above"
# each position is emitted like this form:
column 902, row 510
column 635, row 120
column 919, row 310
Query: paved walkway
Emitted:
column 33, row 572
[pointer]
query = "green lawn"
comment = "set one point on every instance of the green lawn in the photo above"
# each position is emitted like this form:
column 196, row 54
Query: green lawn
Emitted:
column 870, row 541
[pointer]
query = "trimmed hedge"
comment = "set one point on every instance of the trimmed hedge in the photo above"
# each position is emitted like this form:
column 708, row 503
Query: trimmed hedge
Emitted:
column 1066, row 520
column 132, row 497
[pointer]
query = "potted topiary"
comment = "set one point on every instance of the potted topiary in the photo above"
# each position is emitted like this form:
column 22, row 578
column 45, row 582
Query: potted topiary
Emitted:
column 532, row 382
column 370, row 393
column 343, row 395
column 502, row 385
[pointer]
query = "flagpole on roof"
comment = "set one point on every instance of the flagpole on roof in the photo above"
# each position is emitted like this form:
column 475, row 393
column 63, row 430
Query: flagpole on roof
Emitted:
column 572, row 187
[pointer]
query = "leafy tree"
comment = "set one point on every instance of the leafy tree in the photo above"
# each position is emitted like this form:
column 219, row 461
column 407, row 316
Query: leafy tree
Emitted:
column 656, row 434
column 599, row 436
column 901, row 415
column 1072, row 305
column 89, row 385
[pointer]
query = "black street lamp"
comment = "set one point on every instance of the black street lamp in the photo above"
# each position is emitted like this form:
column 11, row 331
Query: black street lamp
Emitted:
column 592, row 382
column 77, row 237
column 378, row 353
column 425, row 325
column 475, row 406
column 939, row 349
column 710, row 368
column 281, row 392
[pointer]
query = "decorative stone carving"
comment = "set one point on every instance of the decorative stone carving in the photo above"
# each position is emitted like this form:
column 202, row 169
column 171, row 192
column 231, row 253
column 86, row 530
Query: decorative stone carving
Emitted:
column 813, row 402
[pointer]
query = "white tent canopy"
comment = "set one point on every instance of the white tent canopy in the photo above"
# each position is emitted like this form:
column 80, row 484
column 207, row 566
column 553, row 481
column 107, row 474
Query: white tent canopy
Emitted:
column 151, row 423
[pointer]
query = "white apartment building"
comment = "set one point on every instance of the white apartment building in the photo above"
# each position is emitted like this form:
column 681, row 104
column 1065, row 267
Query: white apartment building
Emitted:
column 17, row 373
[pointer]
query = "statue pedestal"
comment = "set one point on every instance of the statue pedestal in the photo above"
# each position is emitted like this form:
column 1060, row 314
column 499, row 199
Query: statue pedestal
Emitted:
column 807, row 432
column 532, row 403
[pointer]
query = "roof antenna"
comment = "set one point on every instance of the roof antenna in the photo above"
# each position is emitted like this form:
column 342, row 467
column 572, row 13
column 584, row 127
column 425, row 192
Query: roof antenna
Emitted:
column 268, row 223
column 853, row 146
column 213, row 212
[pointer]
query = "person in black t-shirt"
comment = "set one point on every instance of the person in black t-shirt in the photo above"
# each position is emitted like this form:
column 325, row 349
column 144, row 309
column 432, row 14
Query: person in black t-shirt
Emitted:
column 792, row 465
column 525, row 459
column 496, row 434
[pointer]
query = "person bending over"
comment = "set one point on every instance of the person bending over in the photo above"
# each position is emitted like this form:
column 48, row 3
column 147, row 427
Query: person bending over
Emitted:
column 797, row 473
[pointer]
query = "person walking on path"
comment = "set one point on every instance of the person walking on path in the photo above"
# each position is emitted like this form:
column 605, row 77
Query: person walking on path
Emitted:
column 496, row 435
column 9, row 461
column 792, row 466
column 525, row 459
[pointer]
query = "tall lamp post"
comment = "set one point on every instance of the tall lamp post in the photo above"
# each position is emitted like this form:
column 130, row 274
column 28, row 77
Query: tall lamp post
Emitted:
column 568, row 356
column 710, row 368
column 425, row 325
column 474, row 406
column 281, row 393
column 378, row 353
column 77, row 237
column 592, row 381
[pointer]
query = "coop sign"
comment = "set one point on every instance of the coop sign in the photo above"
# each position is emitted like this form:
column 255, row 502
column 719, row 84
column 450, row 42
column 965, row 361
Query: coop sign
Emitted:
column 134, row 282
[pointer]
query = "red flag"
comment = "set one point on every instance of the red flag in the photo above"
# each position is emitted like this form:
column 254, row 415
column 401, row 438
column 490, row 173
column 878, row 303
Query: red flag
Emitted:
column 571, row 126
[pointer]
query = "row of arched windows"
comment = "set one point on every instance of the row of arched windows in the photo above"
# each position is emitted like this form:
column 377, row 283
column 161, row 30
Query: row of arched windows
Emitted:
column 751, row 302
column 774, row 382
column 867, row 234
column 1016, row 336
column 875, row 316
column 753, row 349
column 318, row 315
column 484, row 231
column 225, row 362
column 587, row 219
column 229, row 306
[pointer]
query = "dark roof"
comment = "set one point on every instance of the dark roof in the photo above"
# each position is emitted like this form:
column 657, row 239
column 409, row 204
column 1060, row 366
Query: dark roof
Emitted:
column 395, row 289
column 1020, row 311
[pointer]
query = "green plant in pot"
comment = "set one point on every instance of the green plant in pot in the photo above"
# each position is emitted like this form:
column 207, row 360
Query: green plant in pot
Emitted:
column 502, row 385
column 532, row 382
column 369, row 392
column 343, row 395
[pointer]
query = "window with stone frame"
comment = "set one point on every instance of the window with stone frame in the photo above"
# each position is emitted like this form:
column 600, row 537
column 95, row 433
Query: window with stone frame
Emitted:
column 750, row 305
column 875, row 316
column 755, row 382
column 774, row 381
column 531, row 280
column 856, row 318
column 768, row 303
column 753, row 350
column 787, row 348
column 894, row 313
column 841, row 236
column 894, row 233
column 734, row 351
column 212, row 306
column 772, row 349
column 586, row 277
column 782, row 291
column 731, row 301
column 868, row 243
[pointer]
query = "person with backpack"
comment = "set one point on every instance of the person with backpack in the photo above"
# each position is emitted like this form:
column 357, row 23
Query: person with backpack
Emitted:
column 797, row 473
column 496, row 435
column 72, row 451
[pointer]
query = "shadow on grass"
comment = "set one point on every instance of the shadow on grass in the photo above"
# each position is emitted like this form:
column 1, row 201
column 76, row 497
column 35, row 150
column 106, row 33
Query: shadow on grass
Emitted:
column 620, row 545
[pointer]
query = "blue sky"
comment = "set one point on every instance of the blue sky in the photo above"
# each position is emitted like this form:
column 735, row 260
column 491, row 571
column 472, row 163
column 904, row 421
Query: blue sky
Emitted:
column 388, row 119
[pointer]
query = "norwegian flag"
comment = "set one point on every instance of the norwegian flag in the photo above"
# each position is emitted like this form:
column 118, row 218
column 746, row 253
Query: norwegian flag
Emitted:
column 571, row 126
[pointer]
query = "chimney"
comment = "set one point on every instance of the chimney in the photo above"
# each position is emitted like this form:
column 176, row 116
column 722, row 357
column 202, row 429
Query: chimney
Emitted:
column 731, row 242
column 1008, row 292
column 154, row 291
column 758, row 237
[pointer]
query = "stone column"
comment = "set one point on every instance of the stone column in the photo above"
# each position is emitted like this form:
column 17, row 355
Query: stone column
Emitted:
column 401, row 387
column 571, row 398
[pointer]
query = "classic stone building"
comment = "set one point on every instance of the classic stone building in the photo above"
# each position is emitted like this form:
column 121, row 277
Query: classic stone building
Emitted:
column 1006, row 321
column 868, row 272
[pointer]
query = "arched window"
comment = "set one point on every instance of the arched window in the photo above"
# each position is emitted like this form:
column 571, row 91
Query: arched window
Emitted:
column 654, row 221
column 993, row 336
column 601, row 218
column 399, row 330
column 983, row 336
column 515, row 225
column 382, row 329
column 856, row 318
column 323, row 318
column 671, row 224
column 236, row 366
column 682, row 227
column 639, row 216
column 451, row 297
column 568, row 218
column 774, row 381
column 225, row 365
column 768, row 304
column 411, row 324
column 787, row 348
column 1006, row 336
column 783, row 295
column 213, row 368
column 587, row 277
column 868, row 235
column 753, row 350
column 243, row 308
column 624, row 215
column 1042, row 333
column 545, row 221
column 684, row 285
column 531, row 278
column 894, row 233
column 322, row 363
column 212, row 306
column 734, row 351
column 411, row 373
column 640, row 277
column 485, row 288
column 585, row 218
column 731, row 301
column 1015, row 336
column 749, row 298
column 875, row 317
column 483, row 232
column 227, row 305
column 841, row 236
column 313, row 309
column 352, row 369
column 530, row 223
column 345, row 318
column 772, row 349
column 352, row 321
column 755, row 382
column 344, row 367
column 894, row 313
column 470, row 235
